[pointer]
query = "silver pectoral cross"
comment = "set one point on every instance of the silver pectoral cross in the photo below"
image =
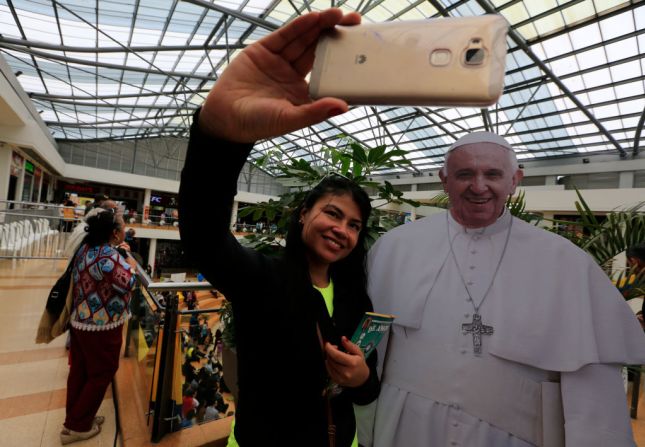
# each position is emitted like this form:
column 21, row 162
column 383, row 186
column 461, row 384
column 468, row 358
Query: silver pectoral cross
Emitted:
column 477, row 328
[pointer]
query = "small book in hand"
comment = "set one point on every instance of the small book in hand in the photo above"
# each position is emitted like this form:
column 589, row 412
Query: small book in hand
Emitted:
column 371, row 330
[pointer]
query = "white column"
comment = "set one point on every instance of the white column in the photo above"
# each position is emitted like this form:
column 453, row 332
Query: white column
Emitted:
column 50, row 189
column 40, row 185
column 146, row 196
column 550, row 180
column 151, row 254
column 234, row 214
column 413, row 210
column 5, row 174
column 21, row 184
column 626, row 179
column 146, row 205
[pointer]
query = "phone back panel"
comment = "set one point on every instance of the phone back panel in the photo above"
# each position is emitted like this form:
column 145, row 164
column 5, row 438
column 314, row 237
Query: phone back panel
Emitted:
column 443, row 62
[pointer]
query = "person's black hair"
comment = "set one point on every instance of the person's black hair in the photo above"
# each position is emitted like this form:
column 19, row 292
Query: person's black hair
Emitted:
column 636, row 251
column 100, row 228
column 100, row 197
column 349, row 270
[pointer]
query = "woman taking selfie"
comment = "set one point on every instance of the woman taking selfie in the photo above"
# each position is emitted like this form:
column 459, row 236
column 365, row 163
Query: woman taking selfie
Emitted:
column 293, row 314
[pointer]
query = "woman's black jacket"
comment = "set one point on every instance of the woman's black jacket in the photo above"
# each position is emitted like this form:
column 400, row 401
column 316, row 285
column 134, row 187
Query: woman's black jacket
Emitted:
column 281, row 373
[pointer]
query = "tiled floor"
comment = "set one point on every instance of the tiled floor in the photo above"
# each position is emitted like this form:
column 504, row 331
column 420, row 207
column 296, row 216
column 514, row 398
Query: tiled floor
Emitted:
column 33, row 377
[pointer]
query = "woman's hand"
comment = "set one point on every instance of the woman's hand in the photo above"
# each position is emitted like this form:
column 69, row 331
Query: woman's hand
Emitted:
column 346, row 368
column 263, row 92
column 125, row 246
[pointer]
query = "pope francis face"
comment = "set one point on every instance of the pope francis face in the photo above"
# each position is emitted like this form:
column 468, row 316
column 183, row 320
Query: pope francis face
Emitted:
column 478, row 178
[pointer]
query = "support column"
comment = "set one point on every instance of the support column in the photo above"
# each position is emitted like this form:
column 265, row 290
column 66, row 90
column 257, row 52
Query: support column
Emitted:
column 151, row 256
column 40, row 184
column 21, row 183
column 146, row 205
column 626, row 179
column 550, row 180
column 413, row 210
column 5, row 174
column 234, row 214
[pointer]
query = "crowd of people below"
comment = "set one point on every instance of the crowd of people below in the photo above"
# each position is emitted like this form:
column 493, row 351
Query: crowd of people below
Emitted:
column 204, row 388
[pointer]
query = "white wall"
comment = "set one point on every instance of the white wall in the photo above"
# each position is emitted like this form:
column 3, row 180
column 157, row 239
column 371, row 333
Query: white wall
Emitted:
column 20, row 123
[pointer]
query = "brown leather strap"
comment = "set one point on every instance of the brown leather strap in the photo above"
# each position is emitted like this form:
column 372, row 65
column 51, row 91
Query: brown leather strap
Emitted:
column 331, row 427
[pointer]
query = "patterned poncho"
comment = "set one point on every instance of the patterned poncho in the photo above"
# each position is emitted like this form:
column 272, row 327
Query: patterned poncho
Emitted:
column 102, row 284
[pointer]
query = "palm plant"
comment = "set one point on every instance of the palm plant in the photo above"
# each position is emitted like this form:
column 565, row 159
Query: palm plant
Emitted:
column 606, row 239
column 352, row 160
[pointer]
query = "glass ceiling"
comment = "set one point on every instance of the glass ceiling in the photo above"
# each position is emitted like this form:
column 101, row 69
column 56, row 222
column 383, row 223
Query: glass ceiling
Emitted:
column 118, row 69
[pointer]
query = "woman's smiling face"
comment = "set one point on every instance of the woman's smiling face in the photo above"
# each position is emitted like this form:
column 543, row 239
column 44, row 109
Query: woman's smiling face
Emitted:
column 330, row 229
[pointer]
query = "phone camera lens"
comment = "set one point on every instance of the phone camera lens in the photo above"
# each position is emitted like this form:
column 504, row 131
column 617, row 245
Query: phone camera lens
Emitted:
column 475, row 56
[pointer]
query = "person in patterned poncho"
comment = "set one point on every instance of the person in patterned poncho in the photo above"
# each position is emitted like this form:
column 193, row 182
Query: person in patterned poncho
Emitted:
column 102, row 281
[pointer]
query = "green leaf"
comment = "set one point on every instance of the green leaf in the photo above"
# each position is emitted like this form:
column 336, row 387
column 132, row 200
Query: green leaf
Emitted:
column 358, row 153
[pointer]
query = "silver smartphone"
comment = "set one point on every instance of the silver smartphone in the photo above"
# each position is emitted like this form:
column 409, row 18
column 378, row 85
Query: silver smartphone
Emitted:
column 436, row 62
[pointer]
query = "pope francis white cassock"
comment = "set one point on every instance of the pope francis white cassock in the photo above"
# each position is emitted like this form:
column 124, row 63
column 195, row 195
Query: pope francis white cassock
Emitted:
column 506, row 334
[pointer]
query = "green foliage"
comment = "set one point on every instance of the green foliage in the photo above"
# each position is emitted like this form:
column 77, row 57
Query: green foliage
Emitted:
column 352, row 160
column 604, row 240
column 517, row 207
column 226, row 317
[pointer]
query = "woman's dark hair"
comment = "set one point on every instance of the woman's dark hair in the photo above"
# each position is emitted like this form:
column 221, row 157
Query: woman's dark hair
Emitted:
column 100, row 227
column 351, row 267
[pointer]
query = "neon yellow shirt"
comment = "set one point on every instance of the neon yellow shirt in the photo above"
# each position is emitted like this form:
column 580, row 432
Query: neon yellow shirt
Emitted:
column 328, row 295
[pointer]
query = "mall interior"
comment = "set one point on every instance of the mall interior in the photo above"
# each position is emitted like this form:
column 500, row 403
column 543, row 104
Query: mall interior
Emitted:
column 96, row 99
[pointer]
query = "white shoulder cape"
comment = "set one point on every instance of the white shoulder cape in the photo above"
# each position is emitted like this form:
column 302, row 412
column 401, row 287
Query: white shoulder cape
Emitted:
column 561, row 311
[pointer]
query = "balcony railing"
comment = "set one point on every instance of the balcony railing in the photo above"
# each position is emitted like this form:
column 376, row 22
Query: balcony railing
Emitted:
column 155, row 332
column 35, row 230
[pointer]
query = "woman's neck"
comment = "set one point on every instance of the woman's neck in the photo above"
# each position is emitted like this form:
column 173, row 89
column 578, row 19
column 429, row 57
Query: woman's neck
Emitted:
column 319, row 274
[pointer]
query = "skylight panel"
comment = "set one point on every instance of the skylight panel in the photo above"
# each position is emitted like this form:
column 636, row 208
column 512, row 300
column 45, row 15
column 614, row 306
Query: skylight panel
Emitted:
column 613, row 124
column 597, row 78
column 607, row 111
column 585, row 129
column 602, row 95
column 578, row 12
column 573, row 83
column 377, row 14
column 622, row 49
column 142, row 36
column 625, row 71
column 549, row 23
column 516, row 13
column 630, row 121
column 578, row 117
column 585, row 36
column 634, row 106
column 528, row 31
column 7, row 23
column 426, row 9
column 632, row 88
column 564, row 66
column 617, row 25
column 589, row 140
column 591, row 58
column 556, row 46
column 416, row 14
